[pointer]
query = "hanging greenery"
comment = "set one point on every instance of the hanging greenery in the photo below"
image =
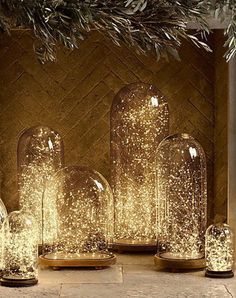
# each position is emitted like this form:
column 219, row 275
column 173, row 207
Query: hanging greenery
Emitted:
column 143, row 24
column 225, row 10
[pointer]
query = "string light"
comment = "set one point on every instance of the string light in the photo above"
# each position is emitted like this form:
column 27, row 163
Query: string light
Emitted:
column 85, row 218
column 139, row 121
column 219, row 251
column 20, row 250
column 40, row 156
column 181, row 198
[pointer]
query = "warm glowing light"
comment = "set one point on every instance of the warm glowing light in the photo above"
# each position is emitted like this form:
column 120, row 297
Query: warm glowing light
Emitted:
column 20, row 247
column 139, row 121
column 154, row 101
column 3, row 215
column 181, row 197
column 219, row 248
column 84, row 215
column 40, row 156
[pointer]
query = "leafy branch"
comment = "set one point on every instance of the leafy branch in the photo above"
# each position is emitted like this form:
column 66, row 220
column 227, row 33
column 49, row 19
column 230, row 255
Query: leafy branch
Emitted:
column 144, row 24
column 225, row 10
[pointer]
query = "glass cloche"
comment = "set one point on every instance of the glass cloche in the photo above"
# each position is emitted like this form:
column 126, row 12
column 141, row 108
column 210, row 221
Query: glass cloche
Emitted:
column 84, row 220
column 40, row 155
column 3, row 216
column 139, row 121
column 181, row 201
column 20, row 252
column 219, row 249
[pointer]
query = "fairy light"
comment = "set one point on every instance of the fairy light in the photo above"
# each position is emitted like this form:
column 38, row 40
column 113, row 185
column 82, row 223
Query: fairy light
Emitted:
column 85, row 214
column 219, row 250
column 40, row 156
column 20, row 249
column 181, row 198
column 139, row 121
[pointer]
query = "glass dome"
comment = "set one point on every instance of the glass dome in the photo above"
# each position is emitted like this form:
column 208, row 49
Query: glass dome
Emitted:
column 181, row 198
column 219, row 250
column 3, row 215
column 139, row 121
column 20, row 250
column 40, row 154
column 85, row 219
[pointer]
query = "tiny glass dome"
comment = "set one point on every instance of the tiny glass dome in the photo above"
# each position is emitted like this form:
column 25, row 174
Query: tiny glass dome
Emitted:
column 181, row 201
column 219, row 251
column 3, row 215
column 20, row 250
column 40, row 155
column 139, row 121
column 84, row 222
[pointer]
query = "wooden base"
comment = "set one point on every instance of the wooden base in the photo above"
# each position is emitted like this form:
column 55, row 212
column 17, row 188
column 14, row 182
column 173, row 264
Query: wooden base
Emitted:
column 57, row 263
column 16, row 283
column 223, row 274
column 124, row 245
column 179, row 264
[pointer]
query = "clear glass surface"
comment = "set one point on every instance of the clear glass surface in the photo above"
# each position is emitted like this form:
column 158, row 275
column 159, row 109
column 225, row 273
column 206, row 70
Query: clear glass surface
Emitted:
column 40, row 155
column 219, row 248
column 3, row 216
column 181, row 197
column 21, row 246
column 139, row 121
column 84, row 213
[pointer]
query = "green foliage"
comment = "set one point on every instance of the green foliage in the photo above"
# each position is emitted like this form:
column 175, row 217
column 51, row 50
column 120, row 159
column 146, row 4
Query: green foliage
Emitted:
column 226, row 11
column 143, row 24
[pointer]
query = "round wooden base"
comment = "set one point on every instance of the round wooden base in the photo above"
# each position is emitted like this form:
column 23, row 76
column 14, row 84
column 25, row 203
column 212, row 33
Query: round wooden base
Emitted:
column 223, row 274
column 99, row 263
column 124, row 245
column 179, row 264
column 16, row 283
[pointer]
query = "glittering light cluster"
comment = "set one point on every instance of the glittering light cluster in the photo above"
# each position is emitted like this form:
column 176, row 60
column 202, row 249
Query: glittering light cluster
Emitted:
column 139, row 121
column 85, row 215
column 40, row 156
column 3, row 215
column 20, row 247
column 181, row 197
column 219, row 248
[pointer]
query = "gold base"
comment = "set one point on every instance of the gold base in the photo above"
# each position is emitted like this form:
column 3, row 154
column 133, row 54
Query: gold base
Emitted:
column 127, row 245
column 179, row 264
column 56, row 263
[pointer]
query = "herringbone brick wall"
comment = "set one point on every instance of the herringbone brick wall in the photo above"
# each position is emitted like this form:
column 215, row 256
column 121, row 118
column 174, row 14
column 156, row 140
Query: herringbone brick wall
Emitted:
column 74, row 97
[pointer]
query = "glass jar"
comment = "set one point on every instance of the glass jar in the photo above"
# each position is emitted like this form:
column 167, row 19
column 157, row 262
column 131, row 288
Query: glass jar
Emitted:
column 40, row 155
column 219, row 249
column 3, row 216
column 181, row 198
column 139, row 121
column 85, row 219
column 20, row 250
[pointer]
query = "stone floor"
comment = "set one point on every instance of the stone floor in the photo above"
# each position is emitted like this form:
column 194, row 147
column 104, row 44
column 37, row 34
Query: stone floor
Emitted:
column 133, row 276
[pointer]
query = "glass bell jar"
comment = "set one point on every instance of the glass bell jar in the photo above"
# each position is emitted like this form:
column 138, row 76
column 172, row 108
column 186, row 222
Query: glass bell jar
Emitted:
column 20, row 250
column 3, row 216
column 219, row 251
column 85, row 220
column 40, row 155
column 139, row 121
column 181, row 202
